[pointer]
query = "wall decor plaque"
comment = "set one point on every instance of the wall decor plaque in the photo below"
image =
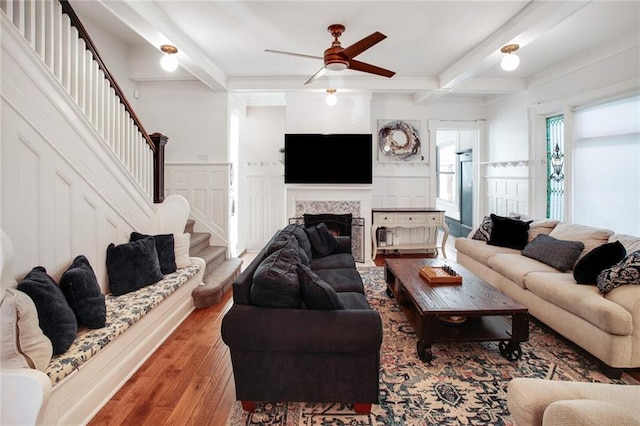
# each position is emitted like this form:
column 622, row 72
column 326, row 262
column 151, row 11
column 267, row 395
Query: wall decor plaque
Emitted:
column 399, row 141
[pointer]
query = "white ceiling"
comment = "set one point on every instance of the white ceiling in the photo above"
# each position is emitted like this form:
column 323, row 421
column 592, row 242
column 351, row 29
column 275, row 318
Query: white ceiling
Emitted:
column 435, row 47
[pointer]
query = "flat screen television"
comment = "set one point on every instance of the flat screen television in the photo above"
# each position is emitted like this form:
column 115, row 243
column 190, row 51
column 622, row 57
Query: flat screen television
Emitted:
column 328, row 159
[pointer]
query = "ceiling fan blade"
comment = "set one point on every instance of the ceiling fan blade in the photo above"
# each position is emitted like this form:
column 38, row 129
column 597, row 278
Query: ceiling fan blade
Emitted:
column 360, row 46
column 293, row 54
column 372, row 69
column 317, row 75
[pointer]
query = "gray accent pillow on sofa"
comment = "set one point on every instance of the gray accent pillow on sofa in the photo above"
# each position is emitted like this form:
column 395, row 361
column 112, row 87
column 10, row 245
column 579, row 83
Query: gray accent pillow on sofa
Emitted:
column 559, row 254
column 275, row 281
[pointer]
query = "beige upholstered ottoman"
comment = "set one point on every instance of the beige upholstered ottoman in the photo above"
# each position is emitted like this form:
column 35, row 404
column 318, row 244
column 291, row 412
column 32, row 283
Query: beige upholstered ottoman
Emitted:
column 548, row 402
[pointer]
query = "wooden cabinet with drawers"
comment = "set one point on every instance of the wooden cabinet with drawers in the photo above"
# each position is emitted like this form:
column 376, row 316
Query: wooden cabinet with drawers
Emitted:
column 430, row 219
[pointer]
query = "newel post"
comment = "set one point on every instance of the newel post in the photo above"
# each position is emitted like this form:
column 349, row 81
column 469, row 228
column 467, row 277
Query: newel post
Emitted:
column 159, row 140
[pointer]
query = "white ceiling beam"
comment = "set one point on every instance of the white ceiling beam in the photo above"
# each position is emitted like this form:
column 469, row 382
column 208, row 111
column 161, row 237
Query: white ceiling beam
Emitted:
column 289, row 84
column 153, row 25
column 536, row 18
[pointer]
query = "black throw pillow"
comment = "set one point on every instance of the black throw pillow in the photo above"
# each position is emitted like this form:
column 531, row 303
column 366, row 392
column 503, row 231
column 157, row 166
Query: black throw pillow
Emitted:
column 275, row 281
column 80, row 287
column 597, row 260
column 508, row 232
column 323, row 243
column 132, row 266
column 165, row 247
column 316, row 293
column 57, row 320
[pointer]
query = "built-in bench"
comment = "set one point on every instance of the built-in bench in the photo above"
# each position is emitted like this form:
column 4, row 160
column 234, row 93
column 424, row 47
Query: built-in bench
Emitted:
column 122, row 312
column 79, row 382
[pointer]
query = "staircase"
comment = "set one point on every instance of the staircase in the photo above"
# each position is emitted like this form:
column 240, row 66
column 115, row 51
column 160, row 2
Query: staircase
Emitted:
column 219, row 273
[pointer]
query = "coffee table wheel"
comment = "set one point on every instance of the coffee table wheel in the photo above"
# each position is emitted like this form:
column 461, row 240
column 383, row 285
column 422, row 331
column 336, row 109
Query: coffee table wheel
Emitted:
column 424, row 351
column 510, row 350
column 389, row 292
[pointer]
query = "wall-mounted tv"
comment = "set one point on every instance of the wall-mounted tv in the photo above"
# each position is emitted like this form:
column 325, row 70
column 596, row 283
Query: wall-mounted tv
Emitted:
column 329, row 159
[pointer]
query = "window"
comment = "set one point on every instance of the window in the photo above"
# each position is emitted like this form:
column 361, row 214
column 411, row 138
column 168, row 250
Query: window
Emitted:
column 555, row 167
column 446, row 165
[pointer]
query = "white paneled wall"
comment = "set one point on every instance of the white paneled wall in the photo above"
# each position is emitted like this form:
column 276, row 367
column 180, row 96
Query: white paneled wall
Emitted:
column 505, row 195
column 262, row 206
column 42, row 27
column 206, row 187
column 64, row 193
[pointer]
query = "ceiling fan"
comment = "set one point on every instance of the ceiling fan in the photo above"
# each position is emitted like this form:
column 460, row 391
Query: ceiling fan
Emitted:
column 338, row 58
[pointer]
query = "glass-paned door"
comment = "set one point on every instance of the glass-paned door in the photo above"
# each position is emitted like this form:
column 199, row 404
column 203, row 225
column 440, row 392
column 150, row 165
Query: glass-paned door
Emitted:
column 555, row 167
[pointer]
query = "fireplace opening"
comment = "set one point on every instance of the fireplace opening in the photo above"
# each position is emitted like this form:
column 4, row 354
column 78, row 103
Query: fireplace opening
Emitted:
column 338, row 224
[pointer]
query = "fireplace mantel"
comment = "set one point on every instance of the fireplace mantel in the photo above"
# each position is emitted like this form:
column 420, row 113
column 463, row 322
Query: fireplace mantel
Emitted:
column 339, row 198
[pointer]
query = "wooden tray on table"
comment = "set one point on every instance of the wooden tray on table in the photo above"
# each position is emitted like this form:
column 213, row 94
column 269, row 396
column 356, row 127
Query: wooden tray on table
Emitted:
column 440, row 275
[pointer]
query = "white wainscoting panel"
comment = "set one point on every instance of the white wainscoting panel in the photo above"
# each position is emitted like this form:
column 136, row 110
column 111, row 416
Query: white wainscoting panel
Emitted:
column 404, row 191
column 507, row 194
column 206, row 188
column 262, row 204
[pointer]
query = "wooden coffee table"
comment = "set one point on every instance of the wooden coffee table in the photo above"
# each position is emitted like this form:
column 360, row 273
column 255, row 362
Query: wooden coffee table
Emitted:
column 435, row 311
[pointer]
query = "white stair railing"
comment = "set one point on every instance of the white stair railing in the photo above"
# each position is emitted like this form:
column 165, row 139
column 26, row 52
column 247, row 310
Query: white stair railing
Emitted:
column 55, row 33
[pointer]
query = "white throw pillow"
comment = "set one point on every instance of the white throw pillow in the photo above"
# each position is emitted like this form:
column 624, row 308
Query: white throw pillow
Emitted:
column 181, row 244
column 24, row 345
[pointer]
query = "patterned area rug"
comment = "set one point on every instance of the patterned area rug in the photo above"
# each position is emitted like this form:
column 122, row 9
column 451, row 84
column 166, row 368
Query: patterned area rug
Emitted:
column 465, row 383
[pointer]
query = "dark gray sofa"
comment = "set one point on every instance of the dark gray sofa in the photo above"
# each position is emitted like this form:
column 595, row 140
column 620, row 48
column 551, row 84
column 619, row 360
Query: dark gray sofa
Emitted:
column 305, row 353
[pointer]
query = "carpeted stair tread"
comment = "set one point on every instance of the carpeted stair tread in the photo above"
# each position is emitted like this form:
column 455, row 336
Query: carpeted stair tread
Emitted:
column 199, row 241
column 216, row 283
column 213, row 257
column 189, row 226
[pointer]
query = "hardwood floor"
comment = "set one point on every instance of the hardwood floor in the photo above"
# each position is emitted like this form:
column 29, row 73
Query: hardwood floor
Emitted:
column 189, row 379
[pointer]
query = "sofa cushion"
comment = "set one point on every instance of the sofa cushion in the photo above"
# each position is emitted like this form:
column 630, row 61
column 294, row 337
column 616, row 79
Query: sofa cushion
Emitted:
column 541, row 226
column 132, row 265
column 323, row 243
column 583, row 301
column 560, row 254
column 275, row 281
column 164, row 247
column 591, row 237
column 353, row 300
column 301, row 236
column 624, row 272
column 480, row 251
column 288, row 240
column 342, row 279
column 516, row 267
column 333, row 261
column 57, row 320
column 80, row 287
column 24, row 345
column 316, row 293
column 508, row 232
column 597, row 260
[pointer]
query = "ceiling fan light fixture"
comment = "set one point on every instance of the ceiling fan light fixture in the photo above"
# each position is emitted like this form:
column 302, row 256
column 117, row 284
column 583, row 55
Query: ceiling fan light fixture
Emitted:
column 168, row 62
column 331, row 98
column 337, row 66
column 511, row 61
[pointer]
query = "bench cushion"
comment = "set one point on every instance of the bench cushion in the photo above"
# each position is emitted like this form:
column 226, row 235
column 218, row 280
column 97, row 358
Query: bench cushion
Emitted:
column 122, row 312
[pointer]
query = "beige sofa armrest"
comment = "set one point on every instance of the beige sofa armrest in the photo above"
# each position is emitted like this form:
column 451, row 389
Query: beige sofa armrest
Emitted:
column 586, row 412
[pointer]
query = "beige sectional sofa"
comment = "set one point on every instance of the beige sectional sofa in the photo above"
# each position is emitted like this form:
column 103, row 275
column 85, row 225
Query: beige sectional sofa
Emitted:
column 606, row 325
